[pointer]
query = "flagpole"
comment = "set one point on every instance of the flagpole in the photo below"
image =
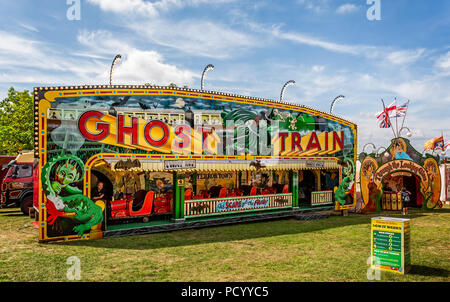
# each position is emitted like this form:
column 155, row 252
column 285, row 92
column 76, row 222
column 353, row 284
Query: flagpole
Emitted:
column 396, row 119
column 406, row 111
column 390, row 124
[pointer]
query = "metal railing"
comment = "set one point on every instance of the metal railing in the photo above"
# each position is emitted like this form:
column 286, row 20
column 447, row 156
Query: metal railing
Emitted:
column 321, row 198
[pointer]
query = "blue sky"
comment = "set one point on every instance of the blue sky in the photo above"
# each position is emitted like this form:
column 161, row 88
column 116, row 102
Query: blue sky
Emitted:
column 328, row 47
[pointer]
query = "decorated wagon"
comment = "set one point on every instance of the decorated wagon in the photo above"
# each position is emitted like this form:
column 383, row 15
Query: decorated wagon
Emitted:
column 121, row 160
column 399, row 167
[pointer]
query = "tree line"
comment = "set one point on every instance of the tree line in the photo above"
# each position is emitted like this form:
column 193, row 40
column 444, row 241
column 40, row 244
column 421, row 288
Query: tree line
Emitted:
column 16, row 122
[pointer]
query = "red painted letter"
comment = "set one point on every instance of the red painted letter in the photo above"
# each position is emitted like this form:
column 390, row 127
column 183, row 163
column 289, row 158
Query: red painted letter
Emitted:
column 296, row 139
column 313, row 142
column 103, row 127
column 283, row 136
column 205, row 132
column 121, row 129
column 183, row 132
column 338, row 140
column 149, row 139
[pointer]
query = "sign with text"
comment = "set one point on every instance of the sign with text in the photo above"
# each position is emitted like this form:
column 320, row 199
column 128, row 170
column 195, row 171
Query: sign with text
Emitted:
column 242, row 204
column 315, row 164
column 179, row 164
column 405, row 165
column 390, row 244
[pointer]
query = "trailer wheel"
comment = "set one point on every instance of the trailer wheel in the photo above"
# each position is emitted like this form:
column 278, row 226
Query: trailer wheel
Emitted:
column 26, row 204
column 145, row 219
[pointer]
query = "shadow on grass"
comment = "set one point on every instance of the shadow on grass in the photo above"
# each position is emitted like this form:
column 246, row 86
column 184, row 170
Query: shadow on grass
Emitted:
column 226, row 233
column 428, row 271
column 443, row 210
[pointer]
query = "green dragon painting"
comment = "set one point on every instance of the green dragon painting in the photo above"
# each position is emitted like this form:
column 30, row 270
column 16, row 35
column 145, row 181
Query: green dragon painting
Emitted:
column 73, row 204
column 344, row 188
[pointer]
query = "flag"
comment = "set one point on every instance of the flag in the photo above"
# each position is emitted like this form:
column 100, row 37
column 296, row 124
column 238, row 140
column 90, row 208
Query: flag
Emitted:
column 436, row 143
column 383, row 120
column 391, row 110
column 401, row 110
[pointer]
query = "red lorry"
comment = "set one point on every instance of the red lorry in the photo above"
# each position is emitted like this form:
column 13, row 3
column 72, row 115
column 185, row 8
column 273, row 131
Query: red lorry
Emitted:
column 17, row 184
column 4, row 161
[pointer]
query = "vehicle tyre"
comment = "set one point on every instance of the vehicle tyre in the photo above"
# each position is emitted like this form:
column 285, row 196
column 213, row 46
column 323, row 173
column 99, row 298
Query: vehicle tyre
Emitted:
column 145, row 219
column 26, row 204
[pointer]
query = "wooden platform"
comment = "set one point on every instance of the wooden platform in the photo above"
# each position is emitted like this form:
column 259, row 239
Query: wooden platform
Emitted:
column 297, row 213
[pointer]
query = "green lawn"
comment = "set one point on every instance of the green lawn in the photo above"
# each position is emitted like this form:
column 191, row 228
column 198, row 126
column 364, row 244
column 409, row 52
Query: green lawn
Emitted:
column 332, row 249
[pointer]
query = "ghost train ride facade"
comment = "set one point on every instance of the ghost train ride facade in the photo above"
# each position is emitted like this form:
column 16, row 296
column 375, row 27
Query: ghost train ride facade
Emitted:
column 123, row 160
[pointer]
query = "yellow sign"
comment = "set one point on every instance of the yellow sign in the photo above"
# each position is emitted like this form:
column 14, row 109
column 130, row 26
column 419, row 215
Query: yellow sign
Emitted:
column 390, row 244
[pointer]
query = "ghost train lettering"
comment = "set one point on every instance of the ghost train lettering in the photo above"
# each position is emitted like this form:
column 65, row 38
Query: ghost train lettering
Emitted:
column 156, row 135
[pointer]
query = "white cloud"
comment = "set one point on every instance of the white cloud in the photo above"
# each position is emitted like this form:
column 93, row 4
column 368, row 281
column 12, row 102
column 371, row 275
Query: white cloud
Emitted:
column 301, row 38
column 396, row 57
column 137, row 66
column 17, row 45
column 443, row 62
column 102, row 42
column 346, row 8
column 318, row 68
column 317, row 6
column 27, row 61
column 28, row 27
column 140, row 67
column 405, row 56
column 196, row 37
column 147, row 8
column 129, row 6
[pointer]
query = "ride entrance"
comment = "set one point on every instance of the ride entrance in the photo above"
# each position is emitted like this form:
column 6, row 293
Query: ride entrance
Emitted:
column 399, row 167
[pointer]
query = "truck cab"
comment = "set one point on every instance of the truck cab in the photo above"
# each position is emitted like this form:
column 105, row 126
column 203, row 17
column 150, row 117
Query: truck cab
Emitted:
column 17, row 185
column 4, row 161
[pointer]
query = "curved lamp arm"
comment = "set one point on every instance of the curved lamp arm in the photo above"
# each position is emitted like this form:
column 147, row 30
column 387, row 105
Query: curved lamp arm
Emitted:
column 369, row 144
column 378, row 151
column 286, row 85
column 207, row 68
column 117, row 58
column 339, row 97
column 408, row 134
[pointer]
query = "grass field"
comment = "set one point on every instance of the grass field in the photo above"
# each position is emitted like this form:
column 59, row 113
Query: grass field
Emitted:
column 332, row 249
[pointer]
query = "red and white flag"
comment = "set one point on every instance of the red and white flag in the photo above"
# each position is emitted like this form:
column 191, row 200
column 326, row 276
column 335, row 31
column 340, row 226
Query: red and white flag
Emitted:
column 391, row 110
